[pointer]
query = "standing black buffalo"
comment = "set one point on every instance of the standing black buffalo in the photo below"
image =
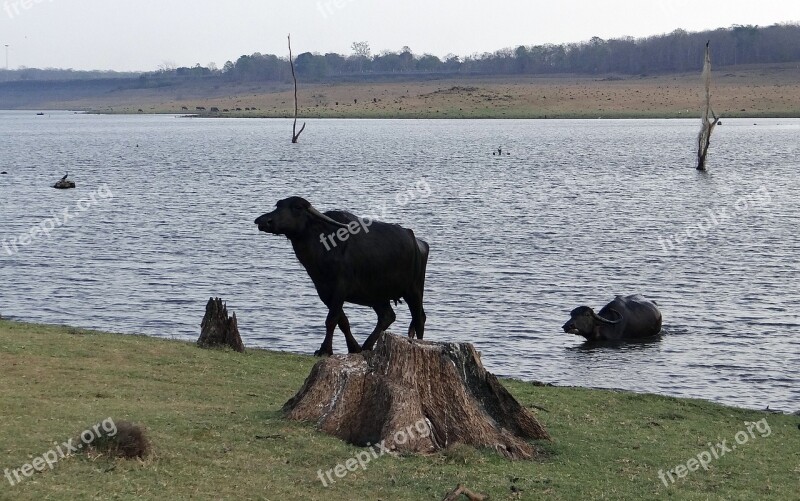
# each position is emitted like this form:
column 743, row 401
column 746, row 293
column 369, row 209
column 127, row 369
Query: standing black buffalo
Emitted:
column 354, row 260
column 626, row 317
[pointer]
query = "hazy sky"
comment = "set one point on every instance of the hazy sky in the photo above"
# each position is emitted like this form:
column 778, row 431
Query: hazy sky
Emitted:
column 143, row 34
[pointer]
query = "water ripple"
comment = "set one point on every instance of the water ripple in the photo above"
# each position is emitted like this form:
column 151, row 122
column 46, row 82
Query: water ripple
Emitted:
column 580, row 211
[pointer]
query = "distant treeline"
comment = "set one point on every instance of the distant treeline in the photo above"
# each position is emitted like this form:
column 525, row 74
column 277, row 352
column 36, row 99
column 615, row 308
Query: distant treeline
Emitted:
column 38, row 75
column 674, row 52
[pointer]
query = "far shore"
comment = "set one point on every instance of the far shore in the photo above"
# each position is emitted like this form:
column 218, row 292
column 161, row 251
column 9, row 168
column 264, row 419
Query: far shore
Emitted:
column 764, row 91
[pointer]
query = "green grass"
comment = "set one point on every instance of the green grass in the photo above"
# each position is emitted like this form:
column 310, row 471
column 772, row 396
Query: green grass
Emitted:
column 214, row 420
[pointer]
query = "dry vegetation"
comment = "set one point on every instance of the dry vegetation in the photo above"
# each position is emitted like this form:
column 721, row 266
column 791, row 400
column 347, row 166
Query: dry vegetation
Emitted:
column 741, row 91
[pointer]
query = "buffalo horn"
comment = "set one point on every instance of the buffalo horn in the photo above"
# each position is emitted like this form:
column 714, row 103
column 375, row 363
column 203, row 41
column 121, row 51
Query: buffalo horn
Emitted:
column 607, row 321
column 325, row 218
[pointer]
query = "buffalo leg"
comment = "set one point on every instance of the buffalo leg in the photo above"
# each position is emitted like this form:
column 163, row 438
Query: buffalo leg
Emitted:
column 326, row 349
column 417, row 325
column 344, row 325
column 386, row 317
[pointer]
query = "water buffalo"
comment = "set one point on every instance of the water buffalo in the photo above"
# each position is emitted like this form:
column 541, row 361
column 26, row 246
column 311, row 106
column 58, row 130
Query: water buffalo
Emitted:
column 626, row 317
column 354, row 260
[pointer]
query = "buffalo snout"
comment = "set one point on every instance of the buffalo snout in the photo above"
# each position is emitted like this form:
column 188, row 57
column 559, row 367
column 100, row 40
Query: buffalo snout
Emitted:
column 264, row 223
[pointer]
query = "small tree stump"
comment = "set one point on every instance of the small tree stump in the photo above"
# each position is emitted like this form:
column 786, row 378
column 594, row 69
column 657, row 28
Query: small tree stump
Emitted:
column 217, row 329
column 403, row 388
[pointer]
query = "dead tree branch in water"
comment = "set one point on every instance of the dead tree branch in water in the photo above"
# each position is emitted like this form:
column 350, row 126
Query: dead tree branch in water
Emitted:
column 295, row 135
column 704, row 138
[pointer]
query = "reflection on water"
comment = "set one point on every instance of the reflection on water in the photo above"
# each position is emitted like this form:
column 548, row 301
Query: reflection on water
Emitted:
column 632, row 345
column 580, row 211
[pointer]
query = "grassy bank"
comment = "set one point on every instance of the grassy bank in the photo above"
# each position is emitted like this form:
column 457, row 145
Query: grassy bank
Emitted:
column 217, row 433
column 760, row 91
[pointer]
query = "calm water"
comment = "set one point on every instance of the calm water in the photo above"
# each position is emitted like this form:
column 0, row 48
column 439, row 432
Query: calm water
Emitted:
column 580, row 211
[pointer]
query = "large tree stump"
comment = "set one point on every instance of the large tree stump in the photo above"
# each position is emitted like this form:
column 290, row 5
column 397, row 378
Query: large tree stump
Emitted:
column 415, row 396
column 217, row 329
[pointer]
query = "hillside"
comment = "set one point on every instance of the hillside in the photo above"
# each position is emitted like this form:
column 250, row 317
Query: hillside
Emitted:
column 741, row 91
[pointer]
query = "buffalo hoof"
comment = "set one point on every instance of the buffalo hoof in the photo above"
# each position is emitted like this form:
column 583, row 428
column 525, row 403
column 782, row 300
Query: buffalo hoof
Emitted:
column 323, row 353
column 354, row 349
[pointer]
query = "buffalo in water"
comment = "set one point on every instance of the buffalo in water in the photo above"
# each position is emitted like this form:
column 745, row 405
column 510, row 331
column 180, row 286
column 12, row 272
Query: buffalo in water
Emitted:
column 354, row 260
column 626, row 317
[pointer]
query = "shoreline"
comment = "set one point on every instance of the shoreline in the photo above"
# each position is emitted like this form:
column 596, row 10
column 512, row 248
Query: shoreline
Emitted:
column 765, row 91
column 268, row 351
column 639, row 116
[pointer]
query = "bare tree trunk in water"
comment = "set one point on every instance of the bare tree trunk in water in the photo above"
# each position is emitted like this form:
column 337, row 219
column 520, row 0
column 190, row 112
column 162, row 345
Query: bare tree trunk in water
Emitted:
column 295, row 135
column 704, row 138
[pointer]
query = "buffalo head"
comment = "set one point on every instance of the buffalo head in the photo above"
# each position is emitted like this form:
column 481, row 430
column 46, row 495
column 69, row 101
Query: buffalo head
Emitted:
column 585, row 322
column 291, row 217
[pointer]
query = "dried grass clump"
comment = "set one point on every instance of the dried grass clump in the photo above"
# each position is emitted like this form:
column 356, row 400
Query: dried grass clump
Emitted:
column 129, row 442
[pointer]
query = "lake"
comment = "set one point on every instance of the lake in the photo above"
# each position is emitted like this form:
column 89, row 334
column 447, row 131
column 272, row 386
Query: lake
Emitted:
column 577, row 212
